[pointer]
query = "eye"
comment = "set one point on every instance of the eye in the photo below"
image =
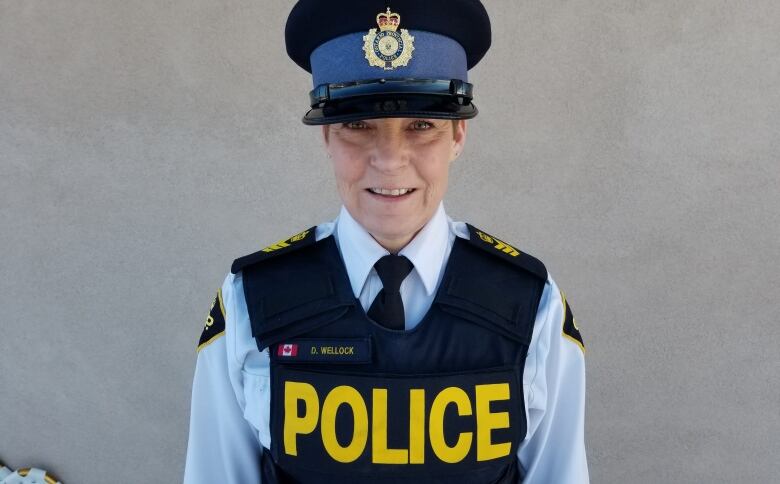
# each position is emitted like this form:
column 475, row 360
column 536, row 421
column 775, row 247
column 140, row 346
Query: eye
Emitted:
column 355, row 125
column 421, row 125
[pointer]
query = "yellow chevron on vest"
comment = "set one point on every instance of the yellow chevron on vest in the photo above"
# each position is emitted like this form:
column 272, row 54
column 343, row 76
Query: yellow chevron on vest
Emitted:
column 286, row 242
column 498, row 244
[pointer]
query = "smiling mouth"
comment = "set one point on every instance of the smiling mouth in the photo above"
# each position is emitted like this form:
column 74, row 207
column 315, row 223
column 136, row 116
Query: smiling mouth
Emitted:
column 391, row 192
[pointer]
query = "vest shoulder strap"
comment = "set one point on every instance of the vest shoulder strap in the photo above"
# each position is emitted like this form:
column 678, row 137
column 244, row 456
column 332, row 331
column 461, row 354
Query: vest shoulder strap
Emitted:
column 499, row 248
column 284, row 246
column 291, row 294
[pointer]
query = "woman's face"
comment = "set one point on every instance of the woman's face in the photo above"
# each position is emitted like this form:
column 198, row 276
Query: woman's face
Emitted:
column 392, row 172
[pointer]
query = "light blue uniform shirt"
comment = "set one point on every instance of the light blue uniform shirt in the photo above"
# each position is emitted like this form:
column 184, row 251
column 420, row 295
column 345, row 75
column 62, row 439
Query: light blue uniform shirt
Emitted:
column 229, row 421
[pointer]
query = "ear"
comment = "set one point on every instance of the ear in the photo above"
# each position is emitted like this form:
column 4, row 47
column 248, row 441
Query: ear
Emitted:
column 326, row 138
column 459, row 138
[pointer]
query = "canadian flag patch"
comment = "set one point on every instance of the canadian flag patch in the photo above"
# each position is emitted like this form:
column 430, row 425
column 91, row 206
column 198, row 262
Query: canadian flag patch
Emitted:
column 287, row 349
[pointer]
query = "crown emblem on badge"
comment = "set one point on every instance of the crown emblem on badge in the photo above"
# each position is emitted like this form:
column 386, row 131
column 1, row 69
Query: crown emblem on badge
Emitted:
column 388, row 21
column 386, row 47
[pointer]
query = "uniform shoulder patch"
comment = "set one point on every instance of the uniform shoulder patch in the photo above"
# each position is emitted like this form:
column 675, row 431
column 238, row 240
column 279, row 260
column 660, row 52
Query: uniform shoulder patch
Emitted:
column 215, row 323
column 297, row 241
column 570, row 329
column 499, row 248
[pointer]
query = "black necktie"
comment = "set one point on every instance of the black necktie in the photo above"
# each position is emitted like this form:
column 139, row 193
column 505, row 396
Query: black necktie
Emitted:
column 387, row 308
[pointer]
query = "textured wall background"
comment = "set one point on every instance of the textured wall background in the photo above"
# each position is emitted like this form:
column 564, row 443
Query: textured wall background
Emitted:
column 631, row 144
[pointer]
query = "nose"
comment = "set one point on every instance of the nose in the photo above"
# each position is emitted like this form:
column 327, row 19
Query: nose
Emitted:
column 390, row 152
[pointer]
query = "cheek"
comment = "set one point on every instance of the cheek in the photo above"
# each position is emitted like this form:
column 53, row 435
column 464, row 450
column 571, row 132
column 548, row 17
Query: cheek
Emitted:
column 347, row 171
column 436, row 176
column 438, row 187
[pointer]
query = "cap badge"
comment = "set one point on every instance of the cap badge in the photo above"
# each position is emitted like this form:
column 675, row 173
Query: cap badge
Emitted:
column 386, row 48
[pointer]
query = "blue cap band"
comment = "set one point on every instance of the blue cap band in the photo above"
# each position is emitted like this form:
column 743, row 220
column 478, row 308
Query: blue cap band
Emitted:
column 343, row 60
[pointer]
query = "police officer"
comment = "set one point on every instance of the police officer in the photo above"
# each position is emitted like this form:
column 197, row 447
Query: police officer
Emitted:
column 391, row 344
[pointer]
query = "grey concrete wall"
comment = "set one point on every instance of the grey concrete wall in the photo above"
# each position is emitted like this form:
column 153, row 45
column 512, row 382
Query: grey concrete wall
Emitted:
column 631, row 144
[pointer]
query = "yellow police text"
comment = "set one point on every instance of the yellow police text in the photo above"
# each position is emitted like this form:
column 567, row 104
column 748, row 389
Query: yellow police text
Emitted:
column 323, row 415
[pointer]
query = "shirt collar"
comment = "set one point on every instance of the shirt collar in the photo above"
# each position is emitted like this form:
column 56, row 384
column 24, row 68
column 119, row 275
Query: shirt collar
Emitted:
column 426, row 250
column 360, row 251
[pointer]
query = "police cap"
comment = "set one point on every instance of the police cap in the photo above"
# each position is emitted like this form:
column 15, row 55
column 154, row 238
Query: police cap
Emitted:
column 388, row 58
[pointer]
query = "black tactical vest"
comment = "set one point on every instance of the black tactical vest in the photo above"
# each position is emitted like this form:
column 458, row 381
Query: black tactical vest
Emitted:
column 354, row 402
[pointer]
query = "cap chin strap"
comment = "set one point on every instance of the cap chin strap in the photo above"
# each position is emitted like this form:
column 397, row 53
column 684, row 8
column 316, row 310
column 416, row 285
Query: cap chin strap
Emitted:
column 454, row 88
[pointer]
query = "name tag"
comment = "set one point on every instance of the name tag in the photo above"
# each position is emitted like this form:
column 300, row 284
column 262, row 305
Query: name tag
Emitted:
column 323, row 350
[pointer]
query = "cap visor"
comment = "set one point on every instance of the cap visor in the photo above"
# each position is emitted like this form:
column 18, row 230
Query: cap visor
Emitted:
column 409, row 106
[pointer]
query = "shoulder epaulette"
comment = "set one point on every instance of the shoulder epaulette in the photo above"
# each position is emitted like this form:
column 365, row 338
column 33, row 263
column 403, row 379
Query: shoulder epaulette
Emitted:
column 297, row 241
column 505, row 251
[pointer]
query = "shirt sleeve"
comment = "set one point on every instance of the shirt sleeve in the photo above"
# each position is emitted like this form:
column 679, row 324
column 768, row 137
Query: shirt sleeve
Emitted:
column 222, row 446
column 554, row 387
